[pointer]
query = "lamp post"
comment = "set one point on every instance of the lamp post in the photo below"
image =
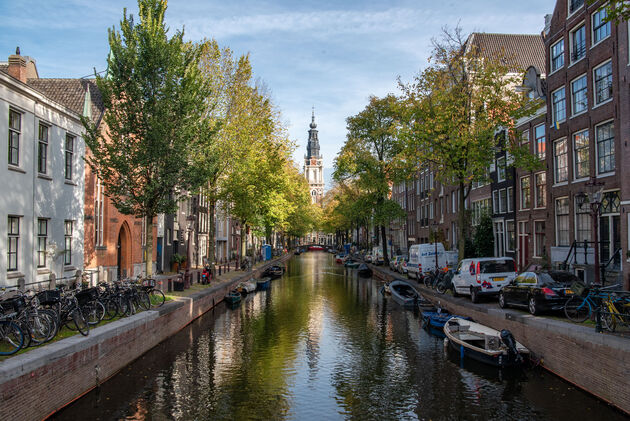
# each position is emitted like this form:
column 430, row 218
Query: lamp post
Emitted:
column 434, row 224
column 190, row 220
column 594, row 200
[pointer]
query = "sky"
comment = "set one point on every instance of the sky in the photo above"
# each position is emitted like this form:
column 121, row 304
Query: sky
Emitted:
column 330, row 55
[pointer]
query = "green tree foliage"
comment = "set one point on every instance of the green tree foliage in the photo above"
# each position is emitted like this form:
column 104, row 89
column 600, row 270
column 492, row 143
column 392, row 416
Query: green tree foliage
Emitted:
column 152, row 93
column 452, row 111
column 617, row 10
column 370, row 158
column 483, row 239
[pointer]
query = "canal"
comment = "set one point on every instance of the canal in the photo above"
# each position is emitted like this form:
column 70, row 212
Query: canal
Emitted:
column 322, row 344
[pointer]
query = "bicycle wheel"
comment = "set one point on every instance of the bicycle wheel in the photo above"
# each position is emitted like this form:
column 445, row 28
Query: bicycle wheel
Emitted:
column 79, row 322
column 51, row 315
column 93, row 312
column 440, row 287
column 11, row 338
column 39, row 328
column 111, row 309
column 577, row 309
column 157, row 297
column 609, row 321
column 428, row 280
column 144, row 301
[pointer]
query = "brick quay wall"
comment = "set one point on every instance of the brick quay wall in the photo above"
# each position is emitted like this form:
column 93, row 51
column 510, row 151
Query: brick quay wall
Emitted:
column 598, row 363
column 36, row 384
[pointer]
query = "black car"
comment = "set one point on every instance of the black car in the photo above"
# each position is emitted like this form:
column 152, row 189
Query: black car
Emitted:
column 538, row 291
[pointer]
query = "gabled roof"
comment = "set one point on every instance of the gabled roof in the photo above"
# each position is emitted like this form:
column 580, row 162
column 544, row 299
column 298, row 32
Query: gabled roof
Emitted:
column 518, row 50
column 72, row 93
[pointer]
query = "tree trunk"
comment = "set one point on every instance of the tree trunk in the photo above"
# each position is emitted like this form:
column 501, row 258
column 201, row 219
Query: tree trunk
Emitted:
column 212, row 237
column 461, row 222
column 385, row 256
column 148, row 248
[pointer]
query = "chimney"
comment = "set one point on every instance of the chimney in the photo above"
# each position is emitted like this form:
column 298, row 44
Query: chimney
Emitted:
column 547, row 25
column 17, row 66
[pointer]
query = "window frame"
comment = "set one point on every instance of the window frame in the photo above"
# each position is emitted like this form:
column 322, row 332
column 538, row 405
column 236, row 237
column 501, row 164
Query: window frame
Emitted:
column 579, row 215
column 580, row 26
column 612, row 142
column 556, row 167
column 510, row 238
column 522, row 191
column 594, row 28
column 573, row 96
column 14, row 138
column 537, row 234
column 42, row 145
column 13, row 242
column 576, row 150
column 510, row 199
column 67, row 242
column 69, row 156
column 42, row 240
column 537, row 205
column 537, row 151
column 552, row 58
column 555, row 108
column 597, row 103
column 564, row 215
column 501, row 163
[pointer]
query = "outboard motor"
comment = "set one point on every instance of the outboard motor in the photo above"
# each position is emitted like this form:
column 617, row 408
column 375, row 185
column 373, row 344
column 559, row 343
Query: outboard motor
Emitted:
column 508, row 339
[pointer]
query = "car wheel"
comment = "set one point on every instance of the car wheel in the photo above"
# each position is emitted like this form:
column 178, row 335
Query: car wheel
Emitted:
column 455, row 293
column 474, row 295
column 531, row 304
column 502, row 302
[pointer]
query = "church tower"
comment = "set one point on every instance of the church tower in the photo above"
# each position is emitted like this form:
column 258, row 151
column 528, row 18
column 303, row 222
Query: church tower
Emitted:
column 313, row 164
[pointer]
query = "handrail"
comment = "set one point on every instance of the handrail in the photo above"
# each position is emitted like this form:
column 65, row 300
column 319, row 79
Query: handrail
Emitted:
column 612, row 257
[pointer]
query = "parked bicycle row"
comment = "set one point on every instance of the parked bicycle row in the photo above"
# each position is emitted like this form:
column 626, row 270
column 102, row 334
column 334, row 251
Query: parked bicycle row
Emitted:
column 33, row 318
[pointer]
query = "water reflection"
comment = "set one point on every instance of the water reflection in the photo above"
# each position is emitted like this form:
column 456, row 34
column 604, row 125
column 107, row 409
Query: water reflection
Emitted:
column 322, row 344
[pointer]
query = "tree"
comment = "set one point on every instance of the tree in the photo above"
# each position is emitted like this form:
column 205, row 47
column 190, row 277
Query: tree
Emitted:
column 483, row 241
column 616, row 10
column 152, row 93
column 452, row 111
column 371, row 158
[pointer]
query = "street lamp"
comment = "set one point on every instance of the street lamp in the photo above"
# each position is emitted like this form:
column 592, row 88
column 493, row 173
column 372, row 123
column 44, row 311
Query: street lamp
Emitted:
column 594, row 200
column 435, row 225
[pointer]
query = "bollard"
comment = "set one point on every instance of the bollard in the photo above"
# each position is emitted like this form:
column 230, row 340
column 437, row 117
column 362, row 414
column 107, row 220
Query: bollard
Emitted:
column 219, row 270
column 170, row 285
column 198, row 277
column 21, row 284
column 53, row 281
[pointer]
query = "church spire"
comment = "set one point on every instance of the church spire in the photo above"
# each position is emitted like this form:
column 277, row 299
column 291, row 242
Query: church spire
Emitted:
column 312, row 148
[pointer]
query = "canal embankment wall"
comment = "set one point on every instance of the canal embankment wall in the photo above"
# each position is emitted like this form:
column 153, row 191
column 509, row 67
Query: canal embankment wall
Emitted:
column 595, row 362
column 36, row 384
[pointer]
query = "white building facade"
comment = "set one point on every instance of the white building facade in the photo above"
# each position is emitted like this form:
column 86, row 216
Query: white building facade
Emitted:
column 42, row 190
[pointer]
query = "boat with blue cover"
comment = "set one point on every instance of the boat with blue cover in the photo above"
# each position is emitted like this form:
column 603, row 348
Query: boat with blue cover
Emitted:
column 263, row 284
column 437, row 319
column 233, row 297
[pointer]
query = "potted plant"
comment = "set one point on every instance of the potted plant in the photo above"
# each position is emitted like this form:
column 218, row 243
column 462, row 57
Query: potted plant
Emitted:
column 176, row 261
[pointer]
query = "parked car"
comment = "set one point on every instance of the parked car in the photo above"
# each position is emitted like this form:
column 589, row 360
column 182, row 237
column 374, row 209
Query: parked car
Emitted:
column 483, row 276
column 401, row 265
column 422, row 259
column 393, row 262
column 538, row 291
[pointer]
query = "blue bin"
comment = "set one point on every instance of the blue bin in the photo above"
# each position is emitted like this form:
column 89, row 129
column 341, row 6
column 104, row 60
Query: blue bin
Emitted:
column 266, row 252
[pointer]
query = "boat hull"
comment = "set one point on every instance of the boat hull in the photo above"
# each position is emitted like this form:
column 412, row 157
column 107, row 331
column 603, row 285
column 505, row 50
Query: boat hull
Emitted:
column 263, row 285
column 404, row 294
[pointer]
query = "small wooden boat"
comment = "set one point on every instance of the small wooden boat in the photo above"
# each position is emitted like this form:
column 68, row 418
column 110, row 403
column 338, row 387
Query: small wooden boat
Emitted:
column 233, row 297
column 437, row 319
column 484, row 344
column 404, row 293
column 263, row 284
column 273, row 272
column 364, row 270
column 315, row 248
column 247, row 287
column 352, row 264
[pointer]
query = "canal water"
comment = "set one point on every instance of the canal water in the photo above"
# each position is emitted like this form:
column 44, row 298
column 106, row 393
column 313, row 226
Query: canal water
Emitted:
column 323, row 344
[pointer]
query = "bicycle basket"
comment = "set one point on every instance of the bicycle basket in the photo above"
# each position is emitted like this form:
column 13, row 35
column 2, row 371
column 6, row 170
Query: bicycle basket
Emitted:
column 10, row 305
column 87, row 295
column 49, row 297
column 579, row 288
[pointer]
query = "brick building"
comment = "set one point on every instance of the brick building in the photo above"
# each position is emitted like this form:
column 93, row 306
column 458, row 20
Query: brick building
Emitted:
column 587, row 102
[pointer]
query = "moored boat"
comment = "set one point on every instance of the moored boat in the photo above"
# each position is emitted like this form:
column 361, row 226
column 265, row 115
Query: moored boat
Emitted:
column 247, row 287
column 315, row 248
column 273, row 272
column 484, row 344
column 437, row 319
column 352, row 264
column 263, row 284
column 404, row 293
column 364, row 270
column 233, row 297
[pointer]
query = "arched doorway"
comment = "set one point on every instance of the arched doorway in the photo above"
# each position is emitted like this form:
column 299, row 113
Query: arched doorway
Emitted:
column 123, row 248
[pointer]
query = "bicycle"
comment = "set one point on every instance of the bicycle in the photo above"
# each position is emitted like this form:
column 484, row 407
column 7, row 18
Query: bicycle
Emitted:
column 445, row 283
column 615, row 311
column 581, row 307
column 156, row 296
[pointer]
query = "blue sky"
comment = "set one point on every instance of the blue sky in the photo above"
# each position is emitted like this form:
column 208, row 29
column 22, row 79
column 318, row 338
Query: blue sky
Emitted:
column 328, row 54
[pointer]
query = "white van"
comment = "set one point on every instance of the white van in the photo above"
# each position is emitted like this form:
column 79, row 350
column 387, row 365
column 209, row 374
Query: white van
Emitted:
column 422, row 259
column 483, row 276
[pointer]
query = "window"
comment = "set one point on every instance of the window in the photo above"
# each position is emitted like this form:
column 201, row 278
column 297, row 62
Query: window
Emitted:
column 540, row 180
column 525, row 192
column 479, row 208
column 525, row 137
column 580, row 151
column 42, row 236
column 503, row 200
column 13, row 233
column 539, row 133
column 601, row 28
column 574, row 5
column 67, row 252
column 499, row 239
column 42, row 149
column 605, row 137
column 69, row 154
column 579, row 97
column 510, row 199
column 560, row 161
column 539, row 238
column 99, row 198
column 501, row 169
column 495, row 201
column 453, row 202
column 558, row 106
column 562, row 221
column 511, row 235
column 557, row 55
column 582, row 223
column 15, row 128
column 578, row 43
column 602, row 79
